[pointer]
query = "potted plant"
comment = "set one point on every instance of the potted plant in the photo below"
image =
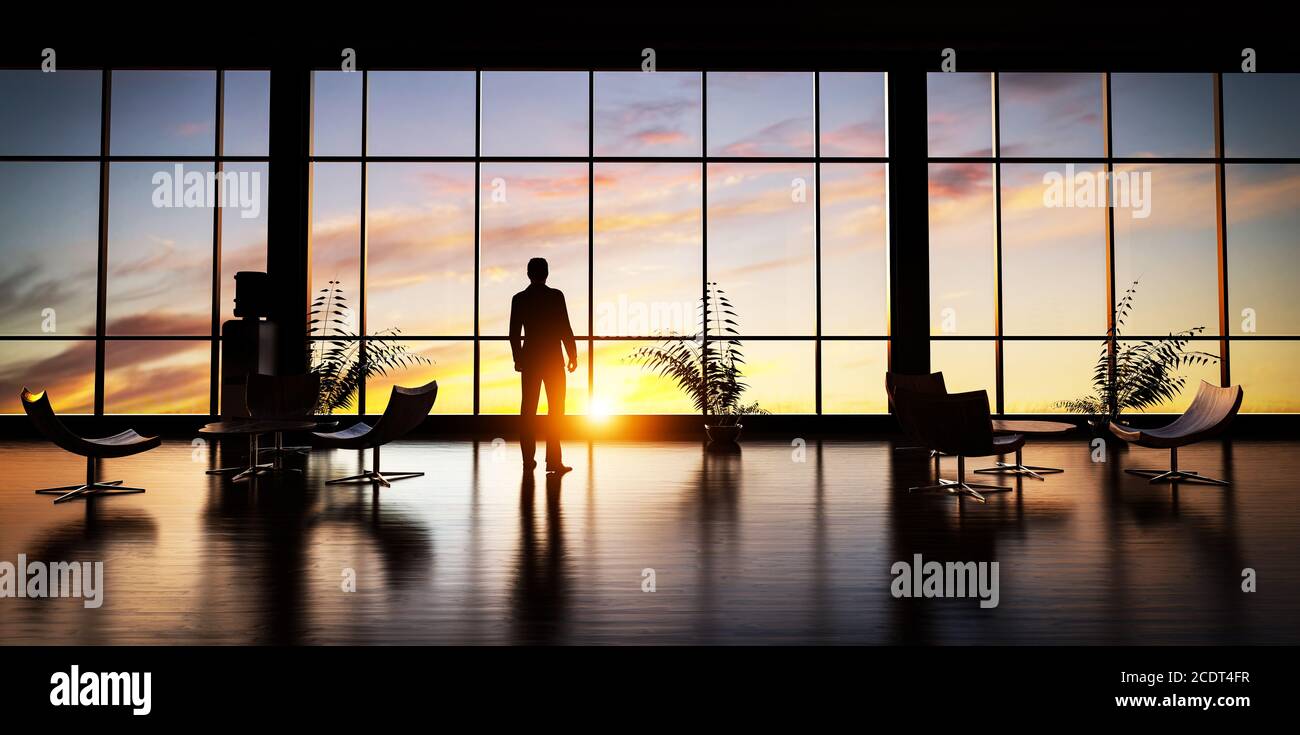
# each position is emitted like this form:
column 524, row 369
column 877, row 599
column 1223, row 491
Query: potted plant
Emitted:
column 337, row 354
column 1145, row 373
column 709, row 371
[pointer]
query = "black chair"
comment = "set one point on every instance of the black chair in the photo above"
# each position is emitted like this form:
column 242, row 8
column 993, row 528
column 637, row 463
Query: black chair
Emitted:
column 288, row 397
column 407, row 407
column 125, row 444
column 960, row 425
column 1210, row 413
column 931, row 383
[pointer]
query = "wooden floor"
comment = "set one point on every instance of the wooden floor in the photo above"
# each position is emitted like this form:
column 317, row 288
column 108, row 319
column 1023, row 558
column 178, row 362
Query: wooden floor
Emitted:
column 776, row 545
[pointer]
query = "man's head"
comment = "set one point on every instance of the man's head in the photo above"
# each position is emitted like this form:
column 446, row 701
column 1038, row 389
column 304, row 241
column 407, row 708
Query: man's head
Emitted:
column 538, row 270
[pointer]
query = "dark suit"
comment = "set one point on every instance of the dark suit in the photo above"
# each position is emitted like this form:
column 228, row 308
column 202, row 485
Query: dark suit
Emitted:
column 539, row 312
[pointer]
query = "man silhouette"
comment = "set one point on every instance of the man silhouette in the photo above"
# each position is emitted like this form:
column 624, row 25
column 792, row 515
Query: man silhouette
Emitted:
column 540, row 313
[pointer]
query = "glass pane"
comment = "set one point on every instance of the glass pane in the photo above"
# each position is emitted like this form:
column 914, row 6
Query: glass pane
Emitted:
column 960, row 113
column 1259, row 114
column 336, row 113
column 1263, row 218
column 1037, row 375
column 963, row 250
column 1266, row 373
column 648, row 249
column 49, row 114
column 48, row 247
column 163, row 376
column 852, row 116
column 453, row 368
column 1051, row 114
column 966, row 365
column 535, row 113
column 781, row 375
column 760, row 114
column 532, row 210
column 1162, row 114
column 499, row 390
column 246, row 122
column 1172, row 253
column 66, row 370
column 420, row 113
column 853, row 376
column 854, row 259
column 164, row 113
column 420, row 248
column 336, row 240
column 159, row 249
column 642, row 114
column 1192, row 375
column 1053, row 252
column 624, row 387
column 762, row 243
column 243, row 230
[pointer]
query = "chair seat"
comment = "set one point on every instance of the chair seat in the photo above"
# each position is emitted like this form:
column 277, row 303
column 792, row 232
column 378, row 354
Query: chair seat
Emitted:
column 123, row 445
column 356, row 436
column 1008, row 442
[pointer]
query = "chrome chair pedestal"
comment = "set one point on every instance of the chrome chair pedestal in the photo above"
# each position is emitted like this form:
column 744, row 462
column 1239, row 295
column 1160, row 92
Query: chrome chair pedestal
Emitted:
column 90, row 488
column 1173, row 474
column 960, row 487
column 1019, row 468
column 374, row 476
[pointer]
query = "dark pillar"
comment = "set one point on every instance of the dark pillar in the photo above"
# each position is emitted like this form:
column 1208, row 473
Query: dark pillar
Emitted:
column 289, row 212
column 909, row 249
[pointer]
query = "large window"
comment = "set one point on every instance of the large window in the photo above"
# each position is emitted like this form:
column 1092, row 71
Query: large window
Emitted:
column 128, row 200
column 431, row 191
column 1027, row 258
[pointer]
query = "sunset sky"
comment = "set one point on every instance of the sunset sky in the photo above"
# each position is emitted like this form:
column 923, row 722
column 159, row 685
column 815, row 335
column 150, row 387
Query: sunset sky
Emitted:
column 648, row 226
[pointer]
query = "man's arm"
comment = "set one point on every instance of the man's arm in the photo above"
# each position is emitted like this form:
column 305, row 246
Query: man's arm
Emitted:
column 570, row 344
column 516, row 327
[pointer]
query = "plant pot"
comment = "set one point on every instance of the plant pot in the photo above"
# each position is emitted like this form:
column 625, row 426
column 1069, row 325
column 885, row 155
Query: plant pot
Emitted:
column 723, row 436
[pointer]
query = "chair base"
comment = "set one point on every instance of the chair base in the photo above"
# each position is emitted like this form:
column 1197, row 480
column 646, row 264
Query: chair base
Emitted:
column 960, row 487
column 1019, row 468
column 1154, row 476
column 371, row 476
column 92, row 489
column 1173, row 474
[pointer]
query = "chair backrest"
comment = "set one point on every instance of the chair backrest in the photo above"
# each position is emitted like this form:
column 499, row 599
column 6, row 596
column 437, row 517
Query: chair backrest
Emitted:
column 39, row 410
column 1211, row 411
column 407, row 408
column 952, row 423
column 281, row 396
column 932, row 383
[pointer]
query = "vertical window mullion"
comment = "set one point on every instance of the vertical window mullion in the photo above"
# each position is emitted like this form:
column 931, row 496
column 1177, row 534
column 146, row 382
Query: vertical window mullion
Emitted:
column 214, row 378
column 998, row 352
column 591, row 234
column 704, row 228
column 1221, row 227
column 1108, row 149
column 478, row 188
column 361, row 239
column 817, row 244
column 101, row 287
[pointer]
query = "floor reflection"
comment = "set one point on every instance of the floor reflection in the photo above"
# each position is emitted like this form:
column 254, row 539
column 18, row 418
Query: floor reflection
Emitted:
column 781, row 543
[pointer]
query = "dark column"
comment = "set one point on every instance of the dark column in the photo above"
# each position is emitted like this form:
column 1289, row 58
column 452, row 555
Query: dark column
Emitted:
column 288, row 212
column 909, row 250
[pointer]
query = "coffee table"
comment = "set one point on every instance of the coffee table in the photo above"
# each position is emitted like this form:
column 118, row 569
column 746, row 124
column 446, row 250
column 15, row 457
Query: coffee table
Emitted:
column 1029, row 427
column 253, row 428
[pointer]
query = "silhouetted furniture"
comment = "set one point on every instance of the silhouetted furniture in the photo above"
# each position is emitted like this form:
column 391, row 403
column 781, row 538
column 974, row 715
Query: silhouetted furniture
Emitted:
column 957, row 424
column 253, row 428
column 407, row 407
column 931, row 383
column 247, row 347
column 285, row 397
column 1002, row 426
column 125, row 444
column 1210, row 413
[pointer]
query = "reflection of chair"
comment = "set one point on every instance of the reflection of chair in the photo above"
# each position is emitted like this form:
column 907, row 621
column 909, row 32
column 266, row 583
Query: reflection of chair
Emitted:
column 38, row 408
column 932, row 383
column 1210, row 413
column 407, row 407
column 957, row 424
column 289, row 397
